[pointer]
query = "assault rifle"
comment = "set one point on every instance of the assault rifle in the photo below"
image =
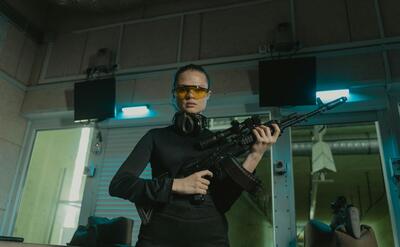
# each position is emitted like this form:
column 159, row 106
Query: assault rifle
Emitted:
column 221, row 149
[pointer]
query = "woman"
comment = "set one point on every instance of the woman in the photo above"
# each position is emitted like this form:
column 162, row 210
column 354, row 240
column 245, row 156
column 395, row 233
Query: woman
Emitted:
column 177, row 221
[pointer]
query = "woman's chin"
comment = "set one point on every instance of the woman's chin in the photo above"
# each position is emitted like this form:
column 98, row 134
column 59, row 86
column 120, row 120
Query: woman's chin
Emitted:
column 191, row 110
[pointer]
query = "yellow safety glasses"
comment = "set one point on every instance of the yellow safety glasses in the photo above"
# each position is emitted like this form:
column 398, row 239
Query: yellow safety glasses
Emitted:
column 196, row 91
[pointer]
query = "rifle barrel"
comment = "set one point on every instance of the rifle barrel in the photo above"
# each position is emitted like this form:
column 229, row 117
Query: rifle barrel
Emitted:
column 300, row 118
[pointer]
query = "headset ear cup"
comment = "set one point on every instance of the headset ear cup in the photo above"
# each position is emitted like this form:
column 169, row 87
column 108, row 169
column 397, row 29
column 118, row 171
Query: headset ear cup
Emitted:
column 189, row 123
column 180, row 122
column 199, row 123
column 204, row 122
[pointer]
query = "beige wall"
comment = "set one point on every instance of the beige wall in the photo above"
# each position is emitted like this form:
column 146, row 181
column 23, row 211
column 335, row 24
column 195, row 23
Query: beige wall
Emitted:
column 206, row 35
column 147, row 89
column 224, row 33
column 17, row 53
column 12, row 129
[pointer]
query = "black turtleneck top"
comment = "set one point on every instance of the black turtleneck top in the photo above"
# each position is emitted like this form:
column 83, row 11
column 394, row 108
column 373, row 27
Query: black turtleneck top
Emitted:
column 167, row 151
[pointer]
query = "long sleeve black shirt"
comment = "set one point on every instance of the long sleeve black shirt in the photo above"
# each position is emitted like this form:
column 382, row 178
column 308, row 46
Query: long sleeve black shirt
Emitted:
column 167, row 151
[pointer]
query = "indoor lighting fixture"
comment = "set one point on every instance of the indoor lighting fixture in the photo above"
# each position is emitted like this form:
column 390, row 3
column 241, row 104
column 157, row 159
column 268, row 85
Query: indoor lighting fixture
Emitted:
column 327, row 96
column 135, row 112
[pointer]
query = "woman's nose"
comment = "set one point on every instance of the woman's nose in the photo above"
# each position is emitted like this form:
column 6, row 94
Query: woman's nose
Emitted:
column 189, row 94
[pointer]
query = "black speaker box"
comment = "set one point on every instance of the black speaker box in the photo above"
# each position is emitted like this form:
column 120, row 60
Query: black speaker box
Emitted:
column 94, row 100
column 287, row 82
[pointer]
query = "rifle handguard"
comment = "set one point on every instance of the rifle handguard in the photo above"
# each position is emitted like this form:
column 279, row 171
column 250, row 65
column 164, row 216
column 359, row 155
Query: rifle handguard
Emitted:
column 239, row 175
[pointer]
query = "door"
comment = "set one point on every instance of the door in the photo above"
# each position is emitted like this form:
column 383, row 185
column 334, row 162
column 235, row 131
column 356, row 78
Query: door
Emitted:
column 330, row 161
column 52, row 192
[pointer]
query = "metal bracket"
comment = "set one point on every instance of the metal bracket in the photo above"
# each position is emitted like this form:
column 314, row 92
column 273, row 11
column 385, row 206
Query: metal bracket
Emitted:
column 280, row 168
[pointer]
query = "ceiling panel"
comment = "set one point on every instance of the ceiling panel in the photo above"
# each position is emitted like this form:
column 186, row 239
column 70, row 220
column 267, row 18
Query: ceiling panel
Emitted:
column 96, row 5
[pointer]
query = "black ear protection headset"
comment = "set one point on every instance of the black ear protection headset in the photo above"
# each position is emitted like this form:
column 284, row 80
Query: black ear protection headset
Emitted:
column 189, row 123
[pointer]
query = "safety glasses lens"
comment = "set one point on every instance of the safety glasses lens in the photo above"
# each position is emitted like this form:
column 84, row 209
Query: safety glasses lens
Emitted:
column 197, row 92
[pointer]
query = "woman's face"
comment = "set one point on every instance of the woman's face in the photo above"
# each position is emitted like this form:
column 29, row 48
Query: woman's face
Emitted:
column 192, row 92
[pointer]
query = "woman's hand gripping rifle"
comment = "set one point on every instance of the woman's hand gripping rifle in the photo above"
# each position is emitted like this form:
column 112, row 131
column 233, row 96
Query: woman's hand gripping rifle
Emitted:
column 223, row 147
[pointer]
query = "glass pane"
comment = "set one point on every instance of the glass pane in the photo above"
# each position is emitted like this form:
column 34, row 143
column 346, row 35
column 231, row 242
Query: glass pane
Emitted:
column 250, row 218
column 52, row 194
column 340, row 160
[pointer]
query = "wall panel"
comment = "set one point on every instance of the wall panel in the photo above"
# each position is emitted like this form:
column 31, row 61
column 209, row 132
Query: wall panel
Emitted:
column 153, row 88
column 25, row 65
column 363, row 20
column 125, row 91
column 38, row 63
column 12, row 125
column 66, row 55
column 239, row 31
column 241, row 80
column 191, row 37
column 104, row 38
column 394, row 60
column 8, row 160
column 390, row 10
column 150, row 43
column 46, row 100
column 344, row 71
column 158, row 8
column 321, row 22
column 11, row 50
column 12, row 130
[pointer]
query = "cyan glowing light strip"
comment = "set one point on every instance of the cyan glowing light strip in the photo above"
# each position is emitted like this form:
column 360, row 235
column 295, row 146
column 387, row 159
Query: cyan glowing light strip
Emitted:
column 330, row 95
column 135, row 111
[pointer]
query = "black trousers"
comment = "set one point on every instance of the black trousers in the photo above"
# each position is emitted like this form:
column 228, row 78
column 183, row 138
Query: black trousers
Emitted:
column 185, row 227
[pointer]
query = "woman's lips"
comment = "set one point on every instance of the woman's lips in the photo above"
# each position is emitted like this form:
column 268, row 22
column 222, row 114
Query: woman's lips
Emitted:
column 190, row 104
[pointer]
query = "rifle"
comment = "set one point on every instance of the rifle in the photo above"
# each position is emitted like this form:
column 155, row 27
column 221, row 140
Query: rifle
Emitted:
column 223, row 147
